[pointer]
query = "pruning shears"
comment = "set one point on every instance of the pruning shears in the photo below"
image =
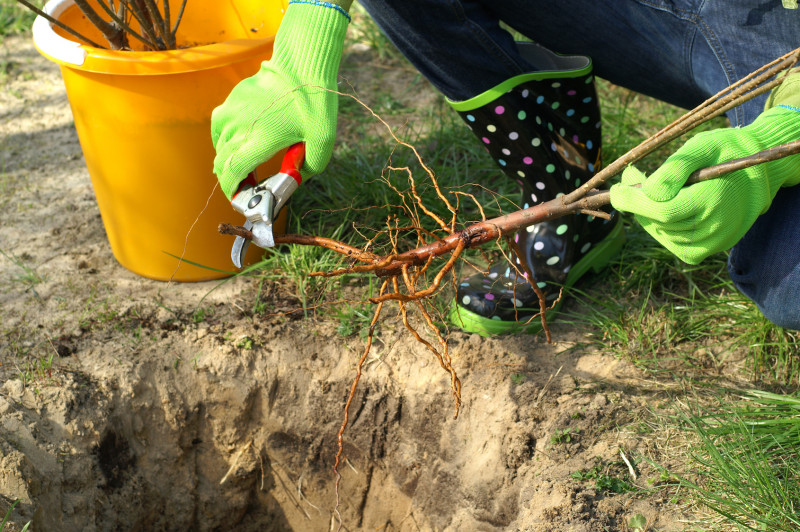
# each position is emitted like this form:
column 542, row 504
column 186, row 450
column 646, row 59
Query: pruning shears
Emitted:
column 261, row 202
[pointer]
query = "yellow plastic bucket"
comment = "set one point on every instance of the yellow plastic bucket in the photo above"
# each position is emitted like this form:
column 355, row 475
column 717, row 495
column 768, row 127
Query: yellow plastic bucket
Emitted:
column 143, row 121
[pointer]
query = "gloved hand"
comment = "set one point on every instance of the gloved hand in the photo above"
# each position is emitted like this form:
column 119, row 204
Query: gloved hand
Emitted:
column 286, row 101
column 713, row 215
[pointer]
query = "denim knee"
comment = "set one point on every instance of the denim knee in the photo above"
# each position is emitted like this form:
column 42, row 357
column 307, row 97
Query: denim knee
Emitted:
column 765, row 264
column 778, row 304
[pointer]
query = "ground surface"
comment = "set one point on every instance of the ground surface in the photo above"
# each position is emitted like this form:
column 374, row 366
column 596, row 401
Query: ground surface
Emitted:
column 131, row 404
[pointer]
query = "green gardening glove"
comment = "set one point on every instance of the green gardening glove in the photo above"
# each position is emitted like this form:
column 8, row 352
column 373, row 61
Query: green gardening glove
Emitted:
column 286, row 102
column 711, row 216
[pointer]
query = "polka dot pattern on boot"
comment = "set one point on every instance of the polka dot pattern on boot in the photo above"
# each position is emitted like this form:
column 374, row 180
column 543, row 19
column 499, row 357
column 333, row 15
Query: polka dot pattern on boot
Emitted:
column 546, row 134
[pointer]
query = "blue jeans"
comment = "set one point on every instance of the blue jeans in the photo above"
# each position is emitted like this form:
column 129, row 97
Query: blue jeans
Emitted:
column 679, row 51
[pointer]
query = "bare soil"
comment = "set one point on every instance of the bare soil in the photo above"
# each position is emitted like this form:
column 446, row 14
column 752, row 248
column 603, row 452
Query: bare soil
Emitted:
column 171, row 406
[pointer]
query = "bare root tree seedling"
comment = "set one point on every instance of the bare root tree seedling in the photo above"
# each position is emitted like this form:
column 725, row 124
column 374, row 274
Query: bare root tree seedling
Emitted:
column 149, row 22
column 411, row 277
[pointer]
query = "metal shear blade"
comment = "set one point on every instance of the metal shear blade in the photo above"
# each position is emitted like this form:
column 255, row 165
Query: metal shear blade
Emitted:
column 240, row 245
column 262, row 237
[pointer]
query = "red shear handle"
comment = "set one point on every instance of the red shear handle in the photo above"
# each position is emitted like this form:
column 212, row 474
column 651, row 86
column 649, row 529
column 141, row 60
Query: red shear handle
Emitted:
column 293, row 161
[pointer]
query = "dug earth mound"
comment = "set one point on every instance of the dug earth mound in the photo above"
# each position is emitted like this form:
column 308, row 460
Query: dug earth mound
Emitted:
column 233, row 423
column 130, row 404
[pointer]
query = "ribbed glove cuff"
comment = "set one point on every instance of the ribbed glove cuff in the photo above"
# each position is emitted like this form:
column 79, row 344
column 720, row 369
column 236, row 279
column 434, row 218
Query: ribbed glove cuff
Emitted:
column 310, row 39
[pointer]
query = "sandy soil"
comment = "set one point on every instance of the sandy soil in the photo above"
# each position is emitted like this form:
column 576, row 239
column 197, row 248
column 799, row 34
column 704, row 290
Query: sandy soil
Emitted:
column 172, row 407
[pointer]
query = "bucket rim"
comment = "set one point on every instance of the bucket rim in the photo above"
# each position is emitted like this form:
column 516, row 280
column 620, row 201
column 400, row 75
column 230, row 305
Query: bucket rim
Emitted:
column 78, row 56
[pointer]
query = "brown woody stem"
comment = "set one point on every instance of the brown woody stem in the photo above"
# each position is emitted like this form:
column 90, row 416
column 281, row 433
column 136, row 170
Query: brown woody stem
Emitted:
column 59, row 23
column 114, row 34
column 119, row 18
column 178, row 18
column 771, row 154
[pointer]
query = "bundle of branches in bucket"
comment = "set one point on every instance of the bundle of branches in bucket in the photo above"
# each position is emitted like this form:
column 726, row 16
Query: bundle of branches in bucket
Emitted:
column 147, row 21
column 407, row 277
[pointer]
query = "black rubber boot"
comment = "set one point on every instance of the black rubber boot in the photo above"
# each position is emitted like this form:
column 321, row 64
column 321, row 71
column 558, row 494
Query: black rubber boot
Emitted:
column 543, row 129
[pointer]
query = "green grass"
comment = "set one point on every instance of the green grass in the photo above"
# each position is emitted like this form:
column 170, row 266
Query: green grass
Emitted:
column 37, row 370
column 353, row 319
column 606, row 477
column 15, row 18
column 26, row 275
column 663, row 314
column 746, row 460
column 565, row 435
column 8, row 516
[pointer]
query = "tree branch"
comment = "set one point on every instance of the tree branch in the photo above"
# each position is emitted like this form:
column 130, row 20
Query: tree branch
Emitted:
column 120, row 20
column 114, row 33
column 178, row 19
column 58, row 23
column 771, row 154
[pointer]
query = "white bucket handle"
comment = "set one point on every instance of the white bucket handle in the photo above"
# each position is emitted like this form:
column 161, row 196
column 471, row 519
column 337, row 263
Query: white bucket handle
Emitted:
column 52, row 44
